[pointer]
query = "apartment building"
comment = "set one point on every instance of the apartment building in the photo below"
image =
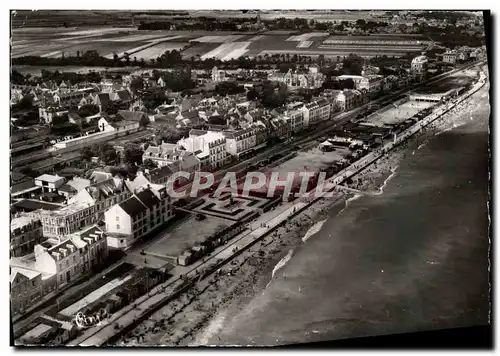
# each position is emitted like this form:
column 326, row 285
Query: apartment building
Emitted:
column 146, row 210
column 370, row 83
column 419, row 65
column 316, row 111
column 26, row 289
column 169, row 154
column 209, row 144
column 239, row 141
column 25, row 233
column 346, row 100
column 450, row 56
column 296, row 116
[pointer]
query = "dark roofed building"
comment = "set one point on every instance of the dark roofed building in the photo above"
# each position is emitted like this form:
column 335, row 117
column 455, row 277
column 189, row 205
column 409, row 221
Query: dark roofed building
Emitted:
column 132, row 115
column 148, row 198
column 160, row 175
column 132, row 206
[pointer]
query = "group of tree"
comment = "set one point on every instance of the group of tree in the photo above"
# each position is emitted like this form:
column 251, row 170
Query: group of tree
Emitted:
column 24, row 105
column 132, row 155
column 153, row 98
column 353, row 65
column 338, row 84
column 169, row 134
column 88, row 110
column 104, row 151
column 229, row 88
column 271, row 95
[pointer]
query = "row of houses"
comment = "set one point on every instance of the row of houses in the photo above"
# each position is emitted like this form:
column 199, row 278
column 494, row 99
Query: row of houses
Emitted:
column 53, row 265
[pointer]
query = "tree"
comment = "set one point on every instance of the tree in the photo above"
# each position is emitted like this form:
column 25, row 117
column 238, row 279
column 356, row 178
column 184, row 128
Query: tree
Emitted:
column 87, row 153
column 285, row 67
column 229, row 88
column 25, row 104
column 216, row 120
column 252, row 94
column 88, row 110
column 136, row 84
column 132, row 156
column 347, row 84
column 144, row 121
column 153, row 99
column 107, row 153
column 30, row 172
column 353, row 65
column 149, row 164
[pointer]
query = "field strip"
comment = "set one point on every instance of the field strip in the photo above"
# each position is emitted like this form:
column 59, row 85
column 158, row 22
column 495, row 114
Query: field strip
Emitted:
column 306, row 36
column 143, row 47
column 305, row 44
column 228, row 51
column 101, row 31
column 158, row 50
column 218, row 39
column 256, row 38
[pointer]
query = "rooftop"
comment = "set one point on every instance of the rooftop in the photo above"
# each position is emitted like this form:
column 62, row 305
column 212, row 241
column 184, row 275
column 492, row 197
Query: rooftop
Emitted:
column 21, row 221
column 49, row 178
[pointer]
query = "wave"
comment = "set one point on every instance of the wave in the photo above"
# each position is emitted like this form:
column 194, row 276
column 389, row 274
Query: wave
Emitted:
column 213, row 328
column 348, row 201
column 314, row 229
column 281, row 264
column 387, row 180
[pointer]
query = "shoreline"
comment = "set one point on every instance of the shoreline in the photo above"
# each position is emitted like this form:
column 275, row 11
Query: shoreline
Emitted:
column 203, row 311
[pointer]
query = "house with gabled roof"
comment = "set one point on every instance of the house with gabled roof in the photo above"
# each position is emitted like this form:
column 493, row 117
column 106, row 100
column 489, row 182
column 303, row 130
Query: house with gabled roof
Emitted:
column 103, row 101
column 149, row 208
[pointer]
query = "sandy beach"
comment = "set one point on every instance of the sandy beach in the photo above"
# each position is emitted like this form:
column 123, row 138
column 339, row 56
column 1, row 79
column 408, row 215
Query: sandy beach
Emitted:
column 198, row 315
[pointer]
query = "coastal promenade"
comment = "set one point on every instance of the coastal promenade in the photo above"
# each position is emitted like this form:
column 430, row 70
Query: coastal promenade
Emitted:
column 183, row 277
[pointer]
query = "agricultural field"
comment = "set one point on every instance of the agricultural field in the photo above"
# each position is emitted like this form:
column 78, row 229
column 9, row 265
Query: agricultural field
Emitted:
column 228, row 51
column 307, row 36
column 218, row 39
column 157, row 50
column 52, row 42
column 305, row 44
column 199, row 49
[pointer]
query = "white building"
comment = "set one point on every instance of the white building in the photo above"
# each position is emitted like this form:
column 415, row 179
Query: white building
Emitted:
column 203, row 144
column 218, row 75
column 145, row 211
column 419, row 64
column 316, row 111
column 239, row 141
column 450, row 56
column 296, row 116
column 49, row 183
column 310, row 80
column 169, row 154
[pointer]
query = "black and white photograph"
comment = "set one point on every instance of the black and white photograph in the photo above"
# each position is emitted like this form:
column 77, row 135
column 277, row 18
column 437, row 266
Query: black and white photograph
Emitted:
column 250, row 178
